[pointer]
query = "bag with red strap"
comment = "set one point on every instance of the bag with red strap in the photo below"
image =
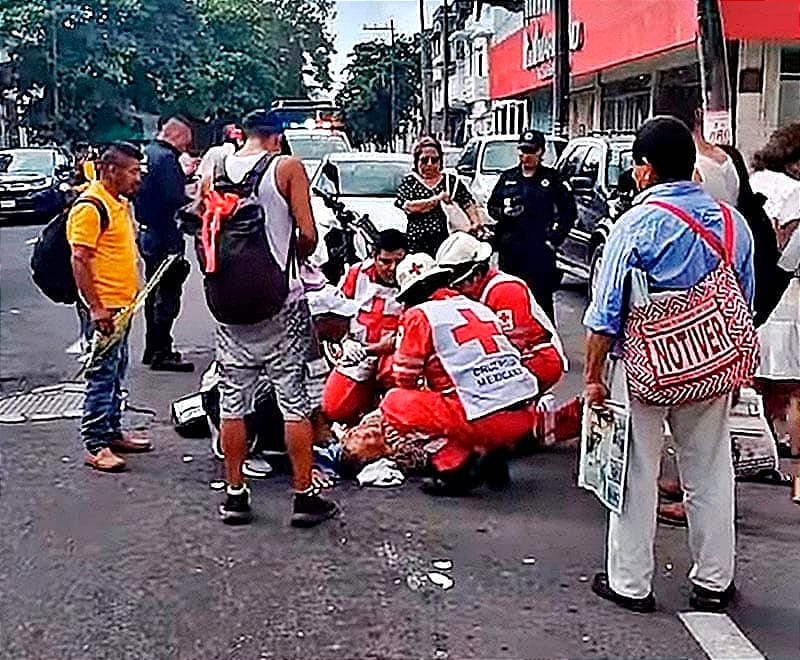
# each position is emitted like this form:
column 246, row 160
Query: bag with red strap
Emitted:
column 696, row 344
column 243, row 281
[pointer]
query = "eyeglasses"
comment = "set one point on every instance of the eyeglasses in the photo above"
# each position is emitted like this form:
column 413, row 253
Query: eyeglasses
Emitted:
column 528, row 150
column 429, row 160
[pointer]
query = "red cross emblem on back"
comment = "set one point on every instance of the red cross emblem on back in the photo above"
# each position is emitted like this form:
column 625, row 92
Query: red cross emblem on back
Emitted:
column 375, row 321
column 484, row 331
column 416, row 269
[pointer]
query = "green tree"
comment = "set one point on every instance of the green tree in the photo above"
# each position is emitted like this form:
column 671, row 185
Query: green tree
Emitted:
column 92, row 67
column 366, row 92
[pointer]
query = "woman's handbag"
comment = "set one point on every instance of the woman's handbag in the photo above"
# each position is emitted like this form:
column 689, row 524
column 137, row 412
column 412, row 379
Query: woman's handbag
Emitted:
column 457, row 219
column 692, row 345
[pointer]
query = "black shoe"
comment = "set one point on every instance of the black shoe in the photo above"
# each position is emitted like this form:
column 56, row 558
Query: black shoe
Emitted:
column 170, row 362
column 236, row 508
column 642, row 605
column 707, row 600
column 494, row 468
column 455, row 483
column 311, row 510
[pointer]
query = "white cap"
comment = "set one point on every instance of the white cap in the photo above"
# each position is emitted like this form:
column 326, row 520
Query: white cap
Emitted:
column 330, row 300
column 416, row 268
column 460, row 249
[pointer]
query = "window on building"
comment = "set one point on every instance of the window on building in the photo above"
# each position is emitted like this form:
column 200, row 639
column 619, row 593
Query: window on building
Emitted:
column 789, row 93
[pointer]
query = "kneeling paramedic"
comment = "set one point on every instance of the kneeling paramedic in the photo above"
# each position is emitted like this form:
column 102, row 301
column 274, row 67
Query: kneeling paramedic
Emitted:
column 458, row 377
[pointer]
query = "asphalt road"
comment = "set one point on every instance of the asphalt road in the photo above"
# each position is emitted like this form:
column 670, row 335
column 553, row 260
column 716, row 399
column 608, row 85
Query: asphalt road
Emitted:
column 138, row 566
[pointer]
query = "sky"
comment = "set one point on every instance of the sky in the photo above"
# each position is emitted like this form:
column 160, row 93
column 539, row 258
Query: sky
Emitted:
column 352, row 15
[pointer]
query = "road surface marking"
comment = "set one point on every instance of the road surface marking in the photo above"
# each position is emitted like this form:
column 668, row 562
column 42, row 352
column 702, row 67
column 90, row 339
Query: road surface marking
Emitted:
column 719, row 637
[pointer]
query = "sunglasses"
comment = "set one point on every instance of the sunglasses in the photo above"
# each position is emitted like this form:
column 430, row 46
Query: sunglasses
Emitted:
column 429, row 160
column 528, row 150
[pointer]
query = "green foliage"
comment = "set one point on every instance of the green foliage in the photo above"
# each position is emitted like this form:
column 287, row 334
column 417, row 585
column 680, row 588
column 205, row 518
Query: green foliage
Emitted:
column 366, row 93
column 116, row 59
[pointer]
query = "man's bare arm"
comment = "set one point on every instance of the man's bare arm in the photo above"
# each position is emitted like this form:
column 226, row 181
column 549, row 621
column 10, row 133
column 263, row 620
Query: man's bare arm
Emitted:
column 293, row 185
column 597, row 348
column 83, row 272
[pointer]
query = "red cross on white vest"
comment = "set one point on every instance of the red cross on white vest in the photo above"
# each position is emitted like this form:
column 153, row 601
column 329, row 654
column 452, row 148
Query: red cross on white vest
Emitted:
column 375, row 321
column 484, row 331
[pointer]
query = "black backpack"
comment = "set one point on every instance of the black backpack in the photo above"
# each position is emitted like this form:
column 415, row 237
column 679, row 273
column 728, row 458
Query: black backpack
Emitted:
column 248, row 285
column 51, row 262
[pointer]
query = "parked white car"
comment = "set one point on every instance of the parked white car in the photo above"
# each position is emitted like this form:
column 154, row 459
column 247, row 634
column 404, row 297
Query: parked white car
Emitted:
column 368, row 184
column 484, row 158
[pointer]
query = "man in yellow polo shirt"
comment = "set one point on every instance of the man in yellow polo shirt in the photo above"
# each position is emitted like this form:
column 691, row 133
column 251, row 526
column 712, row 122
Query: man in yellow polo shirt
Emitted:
column 104, row 263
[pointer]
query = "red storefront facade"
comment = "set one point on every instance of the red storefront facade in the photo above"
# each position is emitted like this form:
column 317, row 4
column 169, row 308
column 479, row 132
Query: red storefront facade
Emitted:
column 619, row 46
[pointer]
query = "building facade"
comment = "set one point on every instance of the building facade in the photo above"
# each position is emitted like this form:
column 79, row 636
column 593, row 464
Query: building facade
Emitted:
column 630, row 60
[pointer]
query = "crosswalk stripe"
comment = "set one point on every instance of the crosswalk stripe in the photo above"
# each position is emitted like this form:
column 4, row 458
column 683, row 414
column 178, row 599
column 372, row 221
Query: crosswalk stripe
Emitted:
column 719, row 637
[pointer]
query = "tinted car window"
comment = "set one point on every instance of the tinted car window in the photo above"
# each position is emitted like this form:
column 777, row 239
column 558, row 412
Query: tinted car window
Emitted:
column 468, row 157
column 571, row 163
column 365, row 178
column 618, row 162
column 590, row 167
column 38, row 161
column 499, row 156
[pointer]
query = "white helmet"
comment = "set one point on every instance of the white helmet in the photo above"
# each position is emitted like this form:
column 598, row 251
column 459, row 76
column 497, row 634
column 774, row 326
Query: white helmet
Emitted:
column 416, row 268
column 460, row 249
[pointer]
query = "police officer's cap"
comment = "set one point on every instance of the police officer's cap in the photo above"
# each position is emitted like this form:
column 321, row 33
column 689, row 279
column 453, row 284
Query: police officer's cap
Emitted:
column 532, row 139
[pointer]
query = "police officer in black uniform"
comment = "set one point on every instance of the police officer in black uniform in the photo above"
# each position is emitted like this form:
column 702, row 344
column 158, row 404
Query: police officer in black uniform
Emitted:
column 534, row 210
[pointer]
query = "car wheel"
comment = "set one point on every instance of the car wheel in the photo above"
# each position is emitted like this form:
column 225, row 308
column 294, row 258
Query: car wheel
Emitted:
column 594, row 268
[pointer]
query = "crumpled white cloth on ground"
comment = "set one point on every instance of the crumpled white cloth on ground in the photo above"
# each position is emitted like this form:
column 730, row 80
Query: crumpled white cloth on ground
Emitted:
column 382, row 473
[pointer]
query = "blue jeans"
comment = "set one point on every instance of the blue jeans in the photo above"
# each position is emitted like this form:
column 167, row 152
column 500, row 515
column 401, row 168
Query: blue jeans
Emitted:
column 102, row 407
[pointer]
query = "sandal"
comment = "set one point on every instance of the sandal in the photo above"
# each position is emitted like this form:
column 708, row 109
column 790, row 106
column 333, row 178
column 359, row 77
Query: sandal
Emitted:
column 769, row 477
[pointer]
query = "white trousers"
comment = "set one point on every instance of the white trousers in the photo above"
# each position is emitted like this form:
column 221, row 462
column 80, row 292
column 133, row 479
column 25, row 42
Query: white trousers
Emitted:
column 701, row 436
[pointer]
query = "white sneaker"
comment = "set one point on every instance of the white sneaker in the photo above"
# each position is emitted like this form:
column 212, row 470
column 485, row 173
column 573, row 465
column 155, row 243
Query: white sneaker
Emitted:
column 257, row 467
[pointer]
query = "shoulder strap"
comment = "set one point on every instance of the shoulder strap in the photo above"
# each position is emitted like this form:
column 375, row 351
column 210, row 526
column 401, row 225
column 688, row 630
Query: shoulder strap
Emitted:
column 254, row 176
column 724, row 251
column 101, row 209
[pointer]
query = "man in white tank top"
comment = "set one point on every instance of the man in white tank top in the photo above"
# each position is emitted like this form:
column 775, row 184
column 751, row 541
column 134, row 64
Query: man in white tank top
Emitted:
column 283, row 344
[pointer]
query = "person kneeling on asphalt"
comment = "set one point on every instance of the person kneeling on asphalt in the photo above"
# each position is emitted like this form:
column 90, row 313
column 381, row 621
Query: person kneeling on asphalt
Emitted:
column 458, row 377
column 364, row 371
column 522, row 319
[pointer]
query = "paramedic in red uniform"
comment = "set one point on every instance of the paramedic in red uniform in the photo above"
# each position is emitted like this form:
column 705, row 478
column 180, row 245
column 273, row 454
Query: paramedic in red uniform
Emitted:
column 458, row 377
column 522, row 319
column 364, row 370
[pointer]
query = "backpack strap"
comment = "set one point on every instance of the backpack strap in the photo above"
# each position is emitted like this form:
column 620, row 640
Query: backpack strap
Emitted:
column 725, row 251
column 254, row 176
column 99, row 206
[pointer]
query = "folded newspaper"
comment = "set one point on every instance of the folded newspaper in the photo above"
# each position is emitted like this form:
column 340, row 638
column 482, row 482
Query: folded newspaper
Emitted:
column 605, row 438
column 754, row 448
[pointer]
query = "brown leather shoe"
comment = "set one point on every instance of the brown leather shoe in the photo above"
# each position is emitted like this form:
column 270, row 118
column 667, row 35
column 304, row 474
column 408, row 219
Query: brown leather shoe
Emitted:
column 670, row 490
column 126, row 444
column 672, row 514
column 105, row 460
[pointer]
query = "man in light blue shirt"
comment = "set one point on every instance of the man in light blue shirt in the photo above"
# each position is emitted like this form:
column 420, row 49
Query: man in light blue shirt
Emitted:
column 673, row 257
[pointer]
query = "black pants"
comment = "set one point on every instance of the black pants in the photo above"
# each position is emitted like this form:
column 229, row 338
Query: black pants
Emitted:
column 543, row 289
column 164, row 304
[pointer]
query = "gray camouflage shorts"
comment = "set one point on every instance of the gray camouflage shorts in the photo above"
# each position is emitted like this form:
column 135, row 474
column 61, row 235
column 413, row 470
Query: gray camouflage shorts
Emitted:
column 281, row 347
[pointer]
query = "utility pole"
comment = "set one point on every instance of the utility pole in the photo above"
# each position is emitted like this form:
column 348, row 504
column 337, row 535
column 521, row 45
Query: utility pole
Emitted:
column 715, row 82
column 424, row 68
column 445, row 69
column 561, row 69
column 393, row 81
column 54, row 56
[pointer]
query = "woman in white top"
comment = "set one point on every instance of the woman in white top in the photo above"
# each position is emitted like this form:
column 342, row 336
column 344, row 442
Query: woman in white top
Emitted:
column 777, row 177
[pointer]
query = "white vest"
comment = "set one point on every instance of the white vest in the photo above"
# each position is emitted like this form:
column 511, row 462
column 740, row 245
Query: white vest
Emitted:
column 482, row 363
column 372, row 298
column 536, row 312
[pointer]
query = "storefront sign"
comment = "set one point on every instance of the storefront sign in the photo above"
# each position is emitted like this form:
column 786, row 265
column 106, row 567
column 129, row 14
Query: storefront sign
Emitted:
column 717, row 127
column 540, row 43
